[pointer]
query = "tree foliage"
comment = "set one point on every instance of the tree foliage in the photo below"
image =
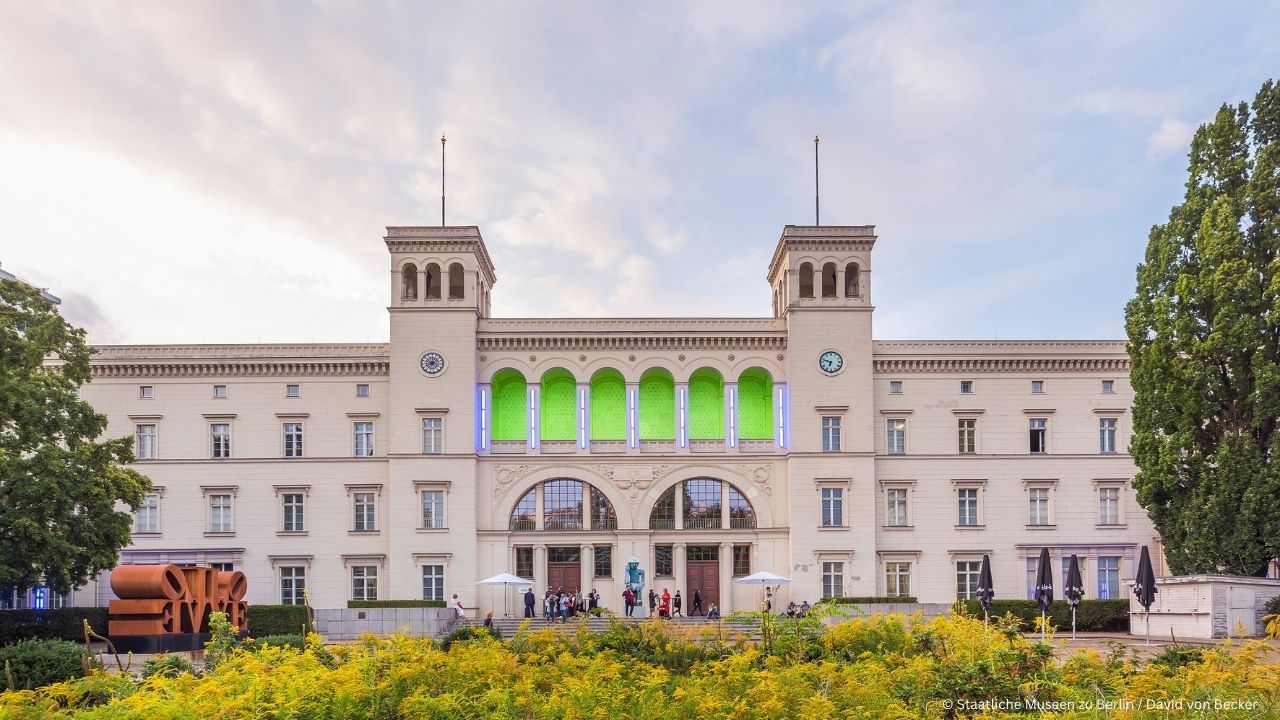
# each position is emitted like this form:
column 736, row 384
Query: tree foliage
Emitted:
column 59, row 485
column 1204, row 340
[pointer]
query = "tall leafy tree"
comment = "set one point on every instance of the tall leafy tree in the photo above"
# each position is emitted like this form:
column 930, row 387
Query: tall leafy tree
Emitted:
column 61, row 488
column 1204, row 340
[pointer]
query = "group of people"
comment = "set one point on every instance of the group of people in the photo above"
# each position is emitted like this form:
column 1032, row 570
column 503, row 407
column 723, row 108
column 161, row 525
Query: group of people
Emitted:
column 667, row 605
column 560, row 605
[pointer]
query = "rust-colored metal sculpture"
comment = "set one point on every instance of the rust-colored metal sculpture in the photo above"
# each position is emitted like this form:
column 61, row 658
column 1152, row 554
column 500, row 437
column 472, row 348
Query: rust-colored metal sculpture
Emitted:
column 168, row 600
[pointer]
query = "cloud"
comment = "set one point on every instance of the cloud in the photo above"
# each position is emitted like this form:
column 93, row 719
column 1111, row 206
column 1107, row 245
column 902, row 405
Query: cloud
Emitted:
column 1173, row 136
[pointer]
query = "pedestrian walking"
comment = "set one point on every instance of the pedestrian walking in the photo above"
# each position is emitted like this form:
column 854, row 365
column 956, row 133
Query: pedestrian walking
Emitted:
column 653, row 601
column 696, row 609
column 676, row 604
column 664, row 605
column 629, row 601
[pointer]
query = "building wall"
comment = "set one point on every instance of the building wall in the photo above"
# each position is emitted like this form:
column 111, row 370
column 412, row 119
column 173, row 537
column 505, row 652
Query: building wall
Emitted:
column 783, row 477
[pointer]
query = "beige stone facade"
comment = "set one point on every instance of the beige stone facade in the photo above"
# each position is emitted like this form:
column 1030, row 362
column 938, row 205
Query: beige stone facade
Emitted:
column 560, row 448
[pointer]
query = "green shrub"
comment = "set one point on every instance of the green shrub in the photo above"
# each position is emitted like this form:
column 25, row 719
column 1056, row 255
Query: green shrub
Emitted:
column 1091, row 615
column 278, row 620
column 167, row 666
column 34, row 663
column 293, row 641
column 60, row 624
column 468, row 632
column 395, row 603
column 1273, row 606
column 868, row 600
column 1177, row 656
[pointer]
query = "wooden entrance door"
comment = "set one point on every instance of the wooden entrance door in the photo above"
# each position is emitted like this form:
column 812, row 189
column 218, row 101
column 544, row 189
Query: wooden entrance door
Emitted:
column 703, row 576
column 564, row 569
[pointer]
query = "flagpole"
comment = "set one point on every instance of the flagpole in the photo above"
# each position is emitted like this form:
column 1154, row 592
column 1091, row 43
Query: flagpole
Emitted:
column 815, row 181
column 442, row 179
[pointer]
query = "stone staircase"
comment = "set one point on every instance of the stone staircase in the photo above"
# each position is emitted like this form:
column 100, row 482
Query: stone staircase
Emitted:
column 508, row 627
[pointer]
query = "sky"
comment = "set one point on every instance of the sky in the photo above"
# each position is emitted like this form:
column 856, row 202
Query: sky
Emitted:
column 223, row 172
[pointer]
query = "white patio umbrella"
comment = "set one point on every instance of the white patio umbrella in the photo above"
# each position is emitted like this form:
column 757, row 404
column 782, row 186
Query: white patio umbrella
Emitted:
column 506, row 579
column 763, row 577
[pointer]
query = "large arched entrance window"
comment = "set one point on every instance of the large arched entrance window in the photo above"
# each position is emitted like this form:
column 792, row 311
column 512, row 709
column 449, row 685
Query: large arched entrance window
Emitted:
column 700, row 505
column 510, row 405
column 567, row 504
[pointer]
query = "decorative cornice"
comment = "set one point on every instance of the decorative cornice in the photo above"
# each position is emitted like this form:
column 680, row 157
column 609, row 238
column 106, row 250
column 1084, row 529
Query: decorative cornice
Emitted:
column 1001, row 365
column 521, row 343
column 240, row 369
column 460, row 238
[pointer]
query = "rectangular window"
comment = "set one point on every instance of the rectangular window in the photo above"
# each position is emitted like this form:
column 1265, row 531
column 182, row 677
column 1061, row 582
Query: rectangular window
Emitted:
column 741, row 560
column 604, row 561
column 1107, row 435
column 365, row 512
column 967, row 500
column 1108, row 506
column 1037, row 386
column 967, row 579
column 832, row 579
column 223, row 566
column 832, row 507
column 362, row 389
column 148, row 518
column 1109, row 577
column 145, row 447
column 1038, row 506
column 293, row 440
column 897, row 579
column 146, row 392
column 294, row 512
column 220, row 392
column 1038, row 427
column 292, row 391
column 524, row 562
column 1108, row 386
column 895, row 507
column 830, row 434
column 293, row 585
column 433, row 510
column 662, row 566
column 364, row 439
column 433, row 581
column 220, row 513
column 895, row 387
column 220, row 440
column 966, row 387
column 895, row 436
column 364, row 582
column 968, row 436
column 432, row 436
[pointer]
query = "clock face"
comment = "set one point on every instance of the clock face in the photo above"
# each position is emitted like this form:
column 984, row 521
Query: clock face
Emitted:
column 830, row 362
column 432, row 363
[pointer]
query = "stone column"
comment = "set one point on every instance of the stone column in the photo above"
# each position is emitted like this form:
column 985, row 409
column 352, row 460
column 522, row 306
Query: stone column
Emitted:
column 726, row 578
column 586, row 568
column 539, row 570
column 679, row 506
column 724, row 506
column 538, row 508
column 680, row 571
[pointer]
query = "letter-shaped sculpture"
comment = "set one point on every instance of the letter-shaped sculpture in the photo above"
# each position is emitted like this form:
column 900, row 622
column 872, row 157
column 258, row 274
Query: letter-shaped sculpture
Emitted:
column 158, row 600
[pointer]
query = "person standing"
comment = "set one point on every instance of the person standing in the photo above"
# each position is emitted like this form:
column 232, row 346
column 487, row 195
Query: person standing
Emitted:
column 550, row 606
column 676, row 604
column 664, row 606
column 696, row 609
column 628, row 601
column 653, row 601
column 593, row 600
column 566, row 605
column 529, row 601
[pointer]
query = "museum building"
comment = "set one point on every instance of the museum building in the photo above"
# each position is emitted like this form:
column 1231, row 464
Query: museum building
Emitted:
column 560, row 448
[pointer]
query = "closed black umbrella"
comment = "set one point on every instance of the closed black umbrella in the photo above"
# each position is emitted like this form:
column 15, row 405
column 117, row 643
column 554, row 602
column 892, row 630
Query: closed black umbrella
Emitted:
column 986, row 588
column 1073, row 590
column 1144, row 586
column 1044, row 588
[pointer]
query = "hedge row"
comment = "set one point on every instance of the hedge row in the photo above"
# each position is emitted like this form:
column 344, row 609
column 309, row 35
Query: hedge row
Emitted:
column 395, row 603
column 870, row 600
column 1092, row 615
column 277, row 620
column 61, row 624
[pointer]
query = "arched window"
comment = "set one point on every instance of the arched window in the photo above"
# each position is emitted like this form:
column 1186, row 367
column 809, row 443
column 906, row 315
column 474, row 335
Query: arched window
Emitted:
column 409, row 282
column 851, row 280
column 510, row 405
column 706, row 405
column 657, row 405
column 608, row 405
column 562, row 507
column 559, row 405
column 433, row 282
column 663, row 516
column 701, row 504
column 755, row 405
column 829, row 280
column 741, row 514
column 455, row 281
column 806, row 280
